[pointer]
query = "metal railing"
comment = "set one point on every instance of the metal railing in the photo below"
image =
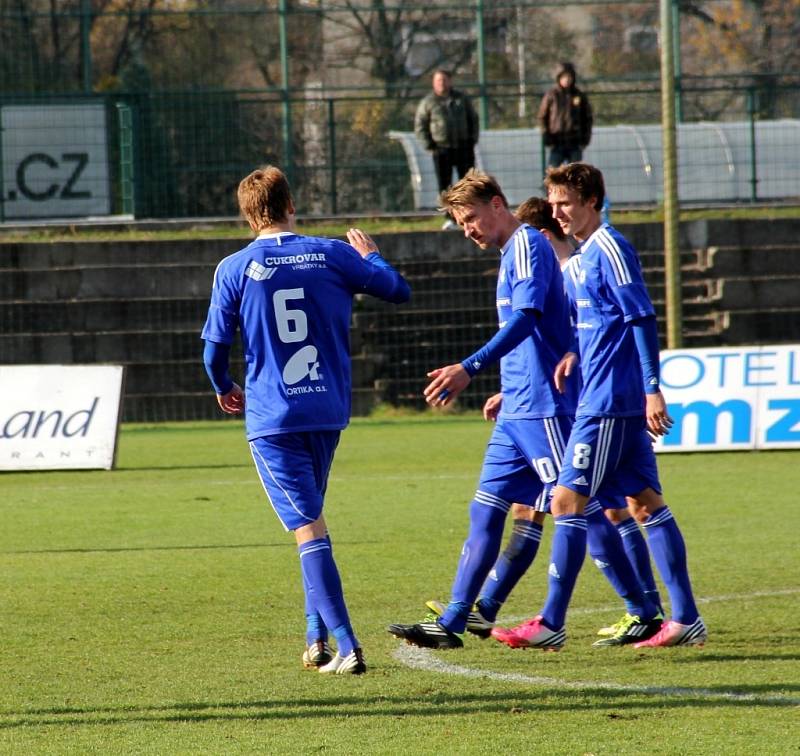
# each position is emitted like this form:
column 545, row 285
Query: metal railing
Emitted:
column 182, row 154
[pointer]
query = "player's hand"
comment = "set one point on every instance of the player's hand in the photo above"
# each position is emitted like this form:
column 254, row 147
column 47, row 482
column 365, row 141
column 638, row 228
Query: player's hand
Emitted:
column 658, row 420
column 233, row 402
column 448, row 382
column 491, row 407
column 564, row 369
column 361, row 242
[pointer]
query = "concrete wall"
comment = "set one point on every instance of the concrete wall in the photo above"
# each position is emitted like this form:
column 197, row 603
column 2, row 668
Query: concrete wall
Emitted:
column 143, row 304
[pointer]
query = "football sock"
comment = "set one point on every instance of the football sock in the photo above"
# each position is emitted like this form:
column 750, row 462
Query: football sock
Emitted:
column 566, row 559
column 315, row 627
column 511, row 565
column 669, row 552
column 325, row 589
column 639, row 556
column 489, row 608
column 487, row 514
column 608, row 552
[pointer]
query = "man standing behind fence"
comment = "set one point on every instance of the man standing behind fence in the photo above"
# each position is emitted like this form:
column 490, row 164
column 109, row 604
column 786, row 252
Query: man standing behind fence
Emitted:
column 565, row 118
column 447, row 124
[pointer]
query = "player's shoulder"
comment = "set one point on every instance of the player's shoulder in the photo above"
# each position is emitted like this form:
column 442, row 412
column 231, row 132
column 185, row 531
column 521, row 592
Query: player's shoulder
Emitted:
column 236, row 259
column 618, row 253
column 608, row 242
column 572, row 268
column 325, row 246
column 611, row 238
column 530, row 237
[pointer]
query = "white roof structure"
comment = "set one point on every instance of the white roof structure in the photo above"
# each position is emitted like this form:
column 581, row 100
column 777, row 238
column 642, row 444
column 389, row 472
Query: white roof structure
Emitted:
column 716, row 161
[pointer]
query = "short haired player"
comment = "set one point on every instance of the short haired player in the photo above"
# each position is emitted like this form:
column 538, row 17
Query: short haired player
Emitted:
column 609, row 450
column 523, row 454
column 290, row 297
column 606, row 542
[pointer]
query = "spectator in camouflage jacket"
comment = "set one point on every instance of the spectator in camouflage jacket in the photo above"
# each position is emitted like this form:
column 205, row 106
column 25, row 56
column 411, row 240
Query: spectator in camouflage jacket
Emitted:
column 447, row 124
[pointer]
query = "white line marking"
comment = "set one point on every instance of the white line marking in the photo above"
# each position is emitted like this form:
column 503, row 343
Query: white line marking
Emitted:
column 424, row 659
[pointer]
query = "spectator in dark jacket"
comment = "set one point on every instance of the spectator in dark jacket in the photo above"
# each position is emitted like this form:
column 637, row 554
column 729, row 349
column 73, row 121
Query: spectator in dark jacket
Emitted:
column 447, row 124
column 565, row 118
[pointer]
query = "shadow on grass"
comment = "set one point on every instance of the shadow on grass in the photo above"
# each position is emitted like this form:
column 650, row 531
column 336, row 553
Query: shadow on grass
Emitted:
column 199, row 547
column 166, row 468
column 543, row 698
column 114, row 550
column 712, row 658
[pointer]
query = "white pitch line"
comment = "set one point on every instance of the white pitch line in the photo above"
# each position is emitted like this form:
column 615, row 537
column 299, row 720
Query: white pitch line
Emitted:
column 424, row 659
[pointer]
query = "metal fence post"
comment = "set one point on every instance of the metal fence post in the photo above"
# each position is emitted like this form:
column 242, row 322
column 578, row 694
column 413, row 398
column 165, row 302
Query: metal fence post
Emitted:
column 676, row 56
column 672, row 255
column 484, row 105
column 752, row 106
column 287, row 103
column 543, row 156
column 2, row 184
column 125, row 126
column 86, row 45
column 332, row 155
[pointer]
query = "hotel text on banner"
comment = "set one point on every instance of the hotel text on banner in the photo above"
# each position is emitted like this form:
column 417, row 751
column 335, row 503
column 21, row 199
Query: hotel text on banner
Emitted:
column 732, row 398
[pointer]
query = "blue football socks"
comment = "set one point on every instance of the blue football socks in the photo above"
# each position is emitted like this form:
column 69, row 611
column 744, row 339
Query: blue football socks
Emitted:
column 608, row 552
column 568, row 553
column 669, row 553
column 325, row 590
column 517, row 557
column 487, row 514
column 315, row 627
column 639, row 556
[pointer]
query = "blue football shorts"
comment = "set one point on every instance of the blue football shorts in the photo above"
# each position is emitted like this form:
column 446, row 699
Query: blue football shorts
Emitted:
column 609, row 457
column 611, row 501
column 522, row 461
column 294, row 468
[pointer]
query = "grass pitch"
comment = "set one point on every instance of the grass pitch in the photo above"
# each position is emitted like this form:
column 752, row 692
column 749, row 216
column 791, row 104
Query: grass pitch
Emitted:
column 158, row 609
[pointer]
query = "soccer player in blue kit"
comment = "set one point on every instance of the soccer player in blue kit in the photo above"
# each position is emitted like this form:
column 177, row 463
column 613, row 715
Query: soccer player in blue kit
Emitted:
column 290, row 297
column 609, row 450
column 524, row 453
column 605, row 539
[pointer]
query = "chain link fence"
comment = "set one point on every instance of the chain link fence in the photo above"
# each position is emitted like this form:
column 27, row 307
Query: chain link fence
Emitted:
column 197, row 94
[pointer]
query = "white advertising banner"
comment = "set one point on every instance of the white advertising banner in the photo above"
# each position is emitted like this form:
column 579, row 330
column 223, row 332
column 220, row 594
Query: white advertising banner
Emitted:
column 59, row 417
column 55, row 161
column 732, row 398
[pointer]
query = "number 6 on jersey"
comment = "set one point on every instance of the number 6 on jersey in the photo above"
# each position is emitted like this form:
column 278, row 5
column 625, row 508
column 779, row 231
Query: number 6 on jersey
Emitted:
column 292, row 324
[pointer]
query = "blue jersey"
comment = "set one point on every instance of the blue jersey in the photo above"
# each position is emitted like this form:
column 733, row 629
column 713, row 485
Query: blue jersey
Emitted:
column 291, row 298
column 530, row 278
column 605, row 281
column 573, row 383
